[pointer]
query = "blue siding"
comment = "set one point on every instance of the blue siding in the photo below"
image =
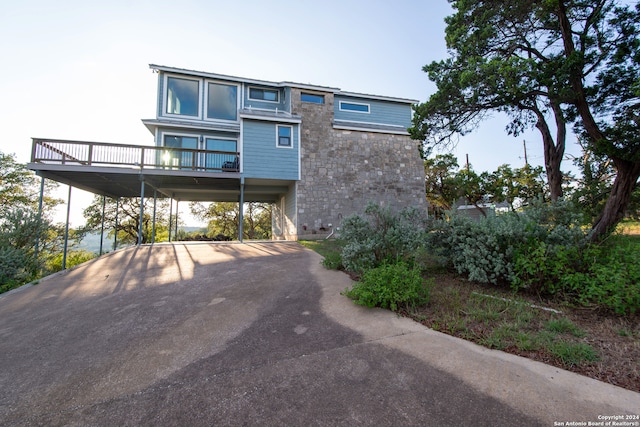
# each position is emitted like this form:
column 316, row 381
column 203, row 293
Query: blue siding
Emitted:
column 281, row 105
column 262, row 158
column 380, row 112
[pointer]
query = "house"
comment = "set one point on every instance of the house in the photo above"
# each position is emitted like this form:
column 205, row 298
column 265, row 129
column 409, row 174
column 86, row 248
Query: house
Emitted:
column 317, row 153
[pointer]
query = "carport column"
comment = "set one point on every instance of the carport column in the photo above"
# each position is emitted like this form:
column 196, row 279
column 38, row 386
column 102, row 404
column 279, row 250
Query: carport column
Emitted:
column 141, row 209
column 37, row 248
column 177, row 206
column 66, row 232
column 240, row 231
column 170, row 216
column 153, row 230
column 115, row 230
column 104, row 203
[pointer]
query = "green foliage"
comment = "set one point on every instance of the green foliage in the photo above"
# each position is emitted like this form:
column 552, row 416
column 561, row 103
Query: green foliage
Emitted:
column 392, row 286
column 20, row 229
column 333, row 261
column 571, row 353
column 125, row 212
column 382, row 236
column 482, row 249
column 73, row 258
column 563, row 325
column 224, row 218
column 546, row 67
column 606, row 275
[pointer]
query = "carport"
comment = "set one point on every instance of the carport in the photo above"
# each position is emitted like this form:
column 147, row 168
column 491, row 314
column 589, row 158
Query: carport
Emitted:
column 180, row 174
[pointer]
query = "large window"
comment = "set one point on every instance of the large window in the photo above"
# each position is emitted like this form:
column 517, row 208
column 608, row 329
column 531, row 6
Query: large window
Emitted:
column 259, row 94
column 182, row 96
column 284, row 136
column 222, row 101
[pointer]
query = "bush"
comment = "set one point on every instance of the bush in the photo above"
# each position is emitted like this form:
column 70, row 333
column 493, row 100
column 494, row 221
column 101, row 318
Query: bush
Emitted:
column 19, row 231
column 73, row 258
column 514, row 248
column 482, row 250
column 392, row 286
column 383, row 236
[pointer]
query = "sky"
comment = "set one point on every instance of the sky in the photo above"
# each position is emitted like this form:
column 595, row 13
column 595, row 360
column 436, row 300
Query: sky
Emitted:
column 79, row 70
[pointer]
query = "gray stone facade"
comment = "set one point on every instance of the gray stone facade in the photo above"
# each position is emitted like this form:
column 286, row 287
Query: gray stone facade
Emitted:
column 343, row 170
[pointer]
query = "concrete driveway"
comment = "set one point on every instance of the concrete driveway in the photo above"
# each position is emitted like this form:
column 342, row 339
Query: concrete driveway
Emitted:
column 255, row 334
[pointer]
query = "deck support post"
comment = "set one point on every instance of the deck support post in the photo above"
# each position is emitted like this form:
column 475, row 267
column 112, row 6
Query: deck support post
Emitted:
column 37, row 247
column 241, row 210
column 104, row 204
column 66, row 232
column 153, row 226
column 177, row 207
column 141, row 210
column 115, row 230
column 170, row 216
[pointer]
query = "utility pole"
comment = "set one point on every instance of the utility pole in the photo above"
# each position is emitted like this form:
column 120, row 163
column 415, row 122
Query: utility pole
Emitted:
column 467, row 162
column 526, row 161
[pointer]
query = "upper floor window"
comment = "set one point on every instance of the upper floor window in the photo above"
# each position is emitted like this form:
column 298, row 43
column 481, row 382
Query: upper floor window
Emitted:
column 222, row 102
column 312, row 97
column 284, row 136
column 182, row 96
column 354, row 107
column 260, row 94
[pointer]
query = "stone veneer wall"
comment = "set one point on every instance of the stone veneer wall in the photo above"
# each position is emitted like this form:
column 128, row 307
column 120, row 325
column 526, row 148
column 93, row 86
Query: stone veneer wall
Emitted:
column 342, row 170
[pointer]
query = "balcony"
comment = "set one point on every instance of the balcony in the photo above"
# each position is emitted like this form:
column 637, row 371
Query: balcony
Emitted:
column 117, row 170
column 49, row 151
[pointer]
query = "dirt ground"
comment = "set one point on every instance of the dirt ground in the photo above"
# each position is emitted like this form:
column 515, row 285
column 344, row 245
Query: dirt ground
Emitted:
column 615, row 339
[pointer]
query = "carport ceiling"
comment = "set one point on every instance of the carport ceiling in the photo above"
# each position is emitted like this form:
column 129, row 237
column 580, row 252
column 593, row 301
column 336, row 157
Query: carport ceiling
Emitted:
column 178, row 184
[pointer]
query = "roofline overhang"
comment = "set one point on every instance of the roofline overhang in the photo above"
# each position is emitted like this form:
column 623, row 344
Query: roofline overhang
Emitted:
column 282, row 84
column 378, row 97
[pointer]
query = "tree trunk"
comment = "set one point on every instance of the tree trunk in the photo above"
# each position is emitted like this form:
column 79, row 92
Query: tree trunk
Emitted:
column 619, row 198
column 553, row 150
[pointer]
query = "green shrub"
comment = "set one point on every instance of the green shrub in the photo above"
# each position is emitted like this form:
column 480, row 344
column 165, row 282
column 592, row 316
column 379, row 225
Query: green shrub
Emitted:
column 20, row 229
column 392, row 286
column 604, row 275
column 332, row 261
column 73, row 258
column 383, row 235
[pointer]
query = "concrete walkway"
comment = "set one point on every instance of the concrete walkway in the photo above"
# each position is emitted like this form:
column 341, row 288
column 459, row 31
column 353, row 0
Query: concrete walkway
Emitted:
column 256, row 334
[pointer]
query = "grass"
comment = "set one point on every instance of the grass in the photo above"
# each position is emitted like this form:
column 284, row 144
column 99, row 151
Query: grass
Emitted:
column 601, row 346
column 330, row 249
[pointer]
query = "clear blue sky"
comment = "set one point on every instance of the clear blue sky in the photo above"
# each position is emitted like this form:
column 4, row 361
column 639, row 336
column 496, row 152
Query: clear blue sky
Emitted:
column 79, row 69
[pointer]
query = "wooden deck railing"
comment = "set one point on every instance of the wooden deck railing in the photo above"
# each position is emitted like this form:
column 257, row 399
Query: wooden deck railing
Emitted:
column 55, row 151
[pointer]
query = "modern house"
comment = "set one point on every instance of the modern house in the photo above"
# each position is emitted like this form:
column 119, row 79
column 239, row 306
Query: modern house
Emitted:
column 317, row 153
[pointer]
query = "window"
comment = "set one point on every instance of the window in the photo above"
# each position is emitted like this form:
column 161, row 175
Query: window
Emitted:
column 284, row 136
column 227, row 159
column 222, row 101
column 258, row 94
column 182, row 96
column 354, row 106
column 179, row 158
column 312, row 97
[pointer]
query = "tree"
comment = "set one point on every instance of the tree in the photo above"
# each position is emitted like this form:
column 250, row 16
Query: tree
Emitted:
column 127, row 210
column 20, row 188
column 442, row 188
column 567, row 61
column 515, row 186
column 224, row 218
column 22, row 226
